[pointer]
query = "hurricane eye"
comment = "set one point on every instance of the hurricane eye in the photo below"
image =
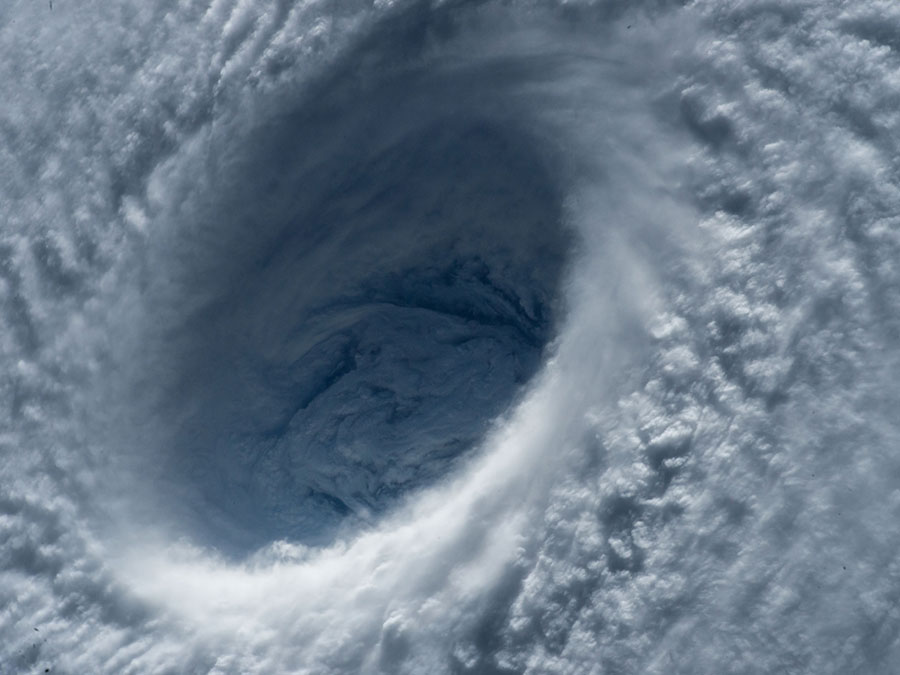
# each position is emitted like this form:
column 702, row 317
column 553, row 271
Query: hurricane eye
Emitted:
column 354, row 343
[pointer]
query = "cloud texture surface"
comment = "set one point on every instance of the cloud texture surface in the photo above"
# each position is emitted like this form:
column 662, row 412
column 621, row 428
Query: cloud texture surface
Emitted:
column 449, row 338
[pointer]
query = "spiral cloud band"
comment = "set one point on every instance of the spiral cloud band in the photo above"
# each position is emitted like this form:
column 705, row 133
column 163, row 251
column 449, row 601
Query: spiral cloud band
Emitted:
column 452, row 337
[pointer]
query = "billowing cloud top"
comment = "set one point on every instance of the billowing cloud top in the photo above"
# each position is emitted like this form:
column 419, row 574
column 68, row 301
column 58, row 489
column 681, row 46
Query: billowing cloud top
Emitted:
column 449, row 338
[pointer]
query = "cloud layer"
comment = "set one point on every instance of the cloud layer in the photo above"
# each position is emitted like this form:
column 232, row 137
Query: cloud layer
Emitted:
column 616, row 281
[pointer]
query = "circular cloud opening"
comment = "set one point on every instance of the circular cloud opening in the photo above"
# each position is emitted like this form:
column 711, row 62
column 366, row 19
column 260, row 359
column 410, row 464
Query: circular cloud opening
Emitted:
column 336, row 330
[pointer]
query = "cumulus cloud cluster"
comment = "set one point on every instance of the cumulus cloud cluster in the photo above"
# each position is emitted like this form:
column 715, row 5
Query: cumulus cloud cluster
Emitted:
column 453, row 337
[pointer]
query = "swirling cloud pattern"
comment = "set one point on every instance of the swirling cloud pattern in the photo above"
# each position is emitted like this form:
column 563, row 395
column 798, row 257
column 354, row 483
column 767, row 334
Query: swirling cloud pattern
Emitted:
column 453, row 337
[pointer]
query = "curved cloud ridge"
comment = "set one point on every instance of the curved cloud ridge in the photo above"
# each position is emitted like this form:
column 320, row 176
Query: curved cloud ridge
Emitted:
column 449, row 338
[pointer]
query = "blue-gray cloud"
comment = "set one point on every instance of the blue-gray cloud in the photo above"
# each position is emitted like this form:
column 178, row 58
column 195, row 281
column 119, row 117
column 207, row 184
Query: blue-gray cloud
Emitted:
column 462, row 338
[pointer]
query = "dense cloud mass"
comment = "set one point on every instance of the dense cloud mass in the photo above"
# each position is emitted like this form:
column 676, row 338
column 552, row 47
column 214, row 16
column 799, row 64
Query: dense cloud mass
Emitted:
column 453, row 337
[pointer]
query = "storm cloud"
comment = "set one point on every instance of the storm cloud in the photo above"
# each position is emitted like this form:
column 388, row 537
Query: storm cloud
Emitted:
column 465, row 337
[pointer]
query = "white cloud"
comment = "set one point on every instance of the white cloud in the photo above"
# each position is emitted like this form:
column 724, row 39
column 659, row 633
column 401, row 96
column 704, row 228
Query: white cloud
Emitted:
column 701, row 478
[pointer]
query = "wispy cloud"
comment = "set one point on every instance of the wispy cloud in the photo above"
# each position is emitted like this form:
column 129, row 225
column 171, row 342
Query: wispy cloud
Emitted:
column 636, row 260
